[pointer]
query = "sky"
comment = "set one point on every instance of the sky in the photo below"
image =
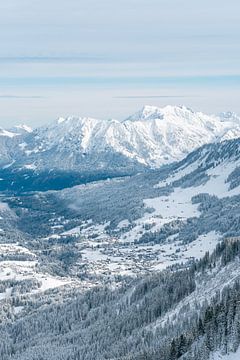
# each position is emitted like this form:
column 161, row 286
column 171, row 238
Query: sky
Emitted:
column 107, row 58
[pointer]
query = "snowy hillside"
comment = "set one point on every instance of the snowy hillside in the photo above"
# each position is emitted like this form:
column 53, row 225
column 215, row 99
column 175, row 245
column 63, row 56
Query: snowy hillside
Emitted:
column 149, row 138
column 187, row 314
column 230, row 356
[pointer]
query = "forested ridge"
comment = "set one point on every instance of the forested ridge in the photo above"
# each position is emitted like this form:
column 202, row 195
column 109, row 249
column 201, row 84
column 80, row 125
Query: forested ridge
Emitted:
column 121, row 323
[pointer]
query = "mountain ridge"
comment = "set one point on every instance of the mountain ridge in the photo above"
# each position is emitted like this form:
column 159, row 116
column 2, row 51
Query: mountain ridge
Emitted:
column 149, row 138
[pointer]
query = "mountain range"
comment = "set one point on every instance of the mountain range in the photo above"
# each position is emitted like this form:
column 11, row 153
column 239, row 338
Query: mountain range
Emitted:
column 148, row 139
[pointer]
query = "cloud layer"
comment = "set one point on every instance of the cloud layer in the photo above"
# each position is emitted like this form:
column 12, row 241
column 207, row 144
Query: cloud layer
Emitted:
column 78, row 56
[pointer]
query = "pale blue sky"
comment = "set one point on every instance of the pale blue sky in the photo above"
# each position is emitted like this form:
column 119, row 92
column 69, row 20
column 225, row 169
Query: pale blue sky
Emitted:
column 108, row 58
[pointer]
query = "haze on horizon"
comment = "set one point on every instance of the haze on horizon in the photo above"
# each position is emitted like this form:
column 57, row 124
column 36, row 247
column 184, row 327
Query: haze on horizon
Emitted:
column 108, row 59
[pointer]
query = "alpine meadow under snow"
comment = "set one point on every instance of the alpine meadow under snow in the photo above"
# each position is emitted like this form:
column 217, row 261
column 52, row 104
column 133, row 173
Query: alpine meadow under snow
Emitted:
column 121, row 239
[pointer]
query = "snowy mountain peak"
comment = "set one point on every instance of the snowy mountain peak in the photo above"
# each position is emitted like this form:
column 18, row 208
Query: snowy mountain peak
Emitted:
column 153, row 112
column 147, row 112
column 15, row 131
column 60, row 120
column 229, row 116
column 72, row 120
column 7, row 133
column 21, row 128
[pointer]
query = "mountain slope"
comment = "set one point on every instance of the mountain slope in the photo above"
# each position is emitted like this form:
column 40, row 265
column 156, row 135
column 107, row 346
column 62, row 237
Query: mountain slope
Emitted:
column 160, row 316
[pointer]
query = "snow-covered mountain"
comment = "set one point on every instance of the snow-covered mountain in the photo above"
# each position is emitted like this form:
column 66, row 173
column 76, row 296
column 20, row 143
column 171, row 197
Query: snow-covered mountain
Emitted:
column 149, row 138
column 21, row 129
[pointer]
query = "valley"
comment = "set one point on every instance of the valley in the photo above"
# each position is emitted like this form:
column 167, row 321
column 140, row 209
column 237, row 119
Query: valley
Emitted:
column 69, row 248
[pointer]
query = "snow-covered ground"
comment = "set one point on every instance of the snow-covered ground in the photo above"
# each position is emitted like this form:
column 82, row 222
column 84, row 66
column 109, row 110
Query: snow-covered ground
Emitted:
column 178, row 205
column 217, row 184
column 20, row 270
column 14, row 249
column 230, row 356
column 27, row 270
